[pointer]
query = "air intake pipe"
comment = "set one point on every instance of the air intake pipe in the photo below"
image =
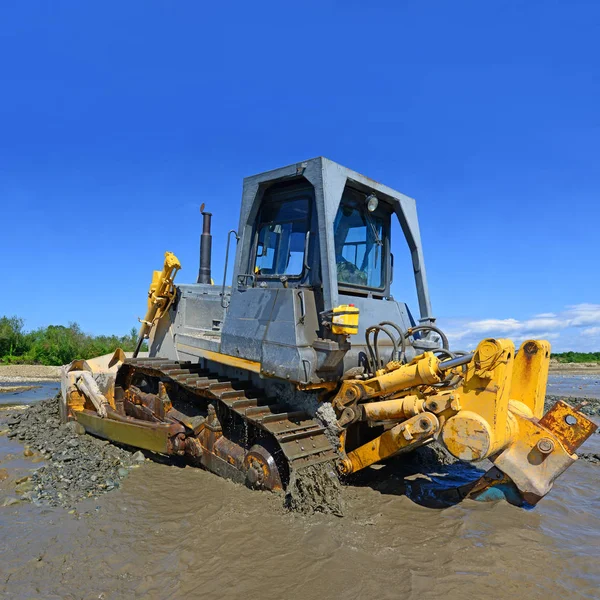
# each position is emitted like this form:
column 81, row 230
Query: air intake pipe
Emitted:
column 205, row 248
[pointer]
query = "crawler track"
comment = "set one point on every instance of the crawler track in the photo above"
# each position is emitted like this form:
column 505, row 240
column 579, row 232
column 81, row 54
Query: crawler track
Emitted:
column 244, row 411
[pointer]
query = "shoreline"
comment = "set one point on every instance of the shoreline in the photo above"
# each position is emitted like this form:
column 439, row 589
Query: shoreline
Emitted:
column 40, row 373
column 28, row 373
column 575, row 369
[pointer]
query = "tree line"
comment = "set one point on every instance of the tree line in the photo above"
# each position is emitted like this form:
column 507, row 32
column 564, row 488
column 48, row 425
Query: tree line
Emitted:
column 55, row 344
column 576, row 357
column 59, row 345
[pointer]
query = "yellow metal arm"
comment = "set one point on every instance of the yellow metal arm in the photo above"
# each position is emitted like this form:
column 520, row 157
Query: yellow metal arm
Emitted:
column 394, row 378
column 409, row 433
column 160, row 296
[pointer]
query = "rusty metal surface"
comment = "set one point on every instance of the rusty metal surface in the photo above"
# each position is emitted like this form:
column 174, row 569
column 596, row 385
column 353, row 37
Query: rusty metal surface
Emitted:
column 155, row 438
column 570, row 426
column 300, row 438
column 261, row 468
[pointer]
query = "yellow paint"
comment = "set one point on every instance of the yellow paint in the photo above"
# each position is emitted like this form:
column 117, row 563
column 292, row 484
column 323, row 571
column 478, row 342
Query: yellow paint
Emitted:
column 531, row 470
column 397, row 409
column 485, row 394
column 478, row 418
column 160, row 294
column 224, row 359
column 155, row 438
column 345, row 319
column 409, row 433
column 568, row 424
column 530, row 375
column 467, row 436
column 423, row 370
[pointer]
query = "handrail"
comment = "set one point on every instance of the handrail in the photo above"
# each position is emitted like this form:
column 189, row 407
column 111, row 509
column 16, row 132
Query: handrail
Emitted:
column 237, row 239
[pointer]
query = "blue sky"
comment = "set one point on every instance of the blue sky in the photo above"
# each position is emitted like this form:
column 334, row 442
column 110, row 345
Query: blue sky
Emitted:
column 119, row 118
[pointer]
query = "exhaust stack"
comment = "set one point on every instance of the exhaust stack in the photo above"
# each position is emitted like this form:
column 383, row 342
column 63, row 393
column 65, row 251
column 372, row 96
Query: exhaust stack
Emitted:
column 205, row 248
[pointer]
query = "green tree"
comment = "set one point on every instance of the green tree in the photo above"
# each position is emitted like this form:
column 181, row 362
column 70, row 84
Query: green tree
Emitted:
column 12, row 339
column 56, row 344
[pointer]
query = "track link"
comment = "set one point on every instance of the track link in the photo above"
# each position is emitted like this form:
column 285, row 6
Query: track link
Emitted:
column 300, row 438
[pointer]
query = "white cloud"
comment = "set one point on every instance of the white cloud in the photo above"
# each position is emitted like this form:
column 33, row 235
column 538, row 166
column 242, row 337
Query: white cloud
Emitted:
column 583, row 314
column 538, row 323
column 591, row 331
column 575, row 327
column 494, row 325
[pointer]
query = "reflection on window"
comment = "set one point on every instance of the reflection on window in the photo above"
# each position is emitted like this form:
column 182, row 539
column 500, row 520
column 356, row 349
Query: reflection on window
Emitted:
column 358, row 245
column 281, row 238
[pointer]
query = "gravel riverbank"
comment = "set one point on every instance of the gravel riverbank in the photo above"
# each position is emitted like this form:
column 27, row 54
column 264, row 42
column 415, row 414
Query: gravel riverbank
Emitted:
column 558, row 368
column 73, row 465
column 19, row 373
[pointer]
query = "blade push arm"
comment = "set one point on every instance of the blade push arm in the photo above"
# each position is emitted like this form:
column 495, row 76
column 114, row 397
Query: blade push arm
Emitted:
column 160, row 296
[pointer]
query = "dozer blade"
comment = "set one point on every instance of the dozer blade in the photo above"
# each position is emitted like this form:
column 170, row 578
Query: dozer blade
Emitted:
column 524, row 472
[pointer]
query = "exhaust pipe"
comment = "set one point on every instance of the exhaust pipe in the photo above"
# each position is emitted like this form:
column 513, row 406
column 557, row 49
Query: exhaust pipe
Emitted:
column 205, row 248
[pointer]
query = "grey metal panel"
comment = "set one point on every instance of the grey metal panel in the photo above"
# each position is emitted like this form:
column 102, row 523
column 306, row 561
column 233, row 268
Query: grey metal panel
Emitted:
column 202, row 342
column 162, row 342
column 289, row 362
column 404, row 207
column 407, row 215
column 373, row 311
column 287, row 347
column 248, row 317
column 200, row 308
column 282, row 328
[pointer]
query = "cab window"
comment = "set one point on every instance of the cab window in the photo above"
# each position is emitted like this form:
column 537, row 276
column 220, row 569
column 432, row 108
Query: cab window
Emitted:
column 359, row 244
column 281, row 237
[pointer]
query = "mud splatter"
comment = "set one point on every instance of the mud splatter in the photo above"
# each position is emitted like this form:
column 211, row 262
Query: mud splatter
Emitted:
column 315, row 488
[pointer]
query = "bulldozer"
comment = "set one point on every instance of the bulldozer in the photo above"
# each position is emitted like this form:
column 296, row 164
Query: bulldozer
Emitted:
column 307, row 359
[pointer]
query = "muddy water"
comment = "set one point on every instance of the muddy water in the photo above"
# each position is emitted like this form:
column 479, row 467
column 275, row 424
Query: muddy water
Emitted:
column 172, row 532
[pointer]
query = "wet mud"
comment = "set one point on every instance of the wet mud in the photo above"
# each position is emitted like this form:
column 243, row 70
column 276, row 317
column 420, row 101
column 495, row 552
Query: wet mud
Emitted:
column 173, row 531
column 316, row 488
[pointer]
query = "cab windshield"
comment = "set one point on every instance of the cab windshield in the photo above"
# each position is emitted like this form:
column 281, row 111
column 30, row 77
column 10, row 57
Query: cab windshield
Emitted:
column 282, row 238
column 358, row 244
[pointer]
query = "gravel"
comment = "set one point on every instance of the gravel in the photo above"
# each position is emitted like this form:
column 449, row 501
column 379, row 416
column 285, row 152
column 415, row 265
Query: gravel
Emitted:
column 591, row 406
column 18, row 373
column 77, row 466
column 558, row 368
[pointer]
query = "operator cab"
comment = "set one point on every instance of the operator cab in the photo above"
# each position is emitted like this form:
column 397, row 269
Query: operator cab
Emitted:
column 313, row 238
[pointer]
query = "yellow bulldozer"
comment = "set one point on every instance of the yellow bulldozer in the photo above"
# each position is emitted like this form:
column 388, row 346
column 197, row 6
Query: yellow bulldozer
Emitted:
column 307, row 359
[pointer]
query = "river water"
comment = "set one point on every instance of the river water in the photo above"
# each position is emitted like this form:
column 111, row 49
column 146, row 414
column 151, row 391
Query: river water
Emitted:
column 172, row 532
column 39, row 391
column 574, row 385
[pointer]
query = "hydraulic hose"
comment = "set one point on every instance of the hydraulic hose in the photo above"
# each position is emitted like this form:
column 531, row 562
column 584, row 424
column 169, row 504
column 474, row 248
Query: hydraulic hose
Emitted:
column 442, row 335
column 374, row 353
column 401, row 336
